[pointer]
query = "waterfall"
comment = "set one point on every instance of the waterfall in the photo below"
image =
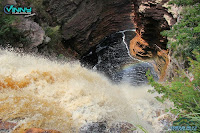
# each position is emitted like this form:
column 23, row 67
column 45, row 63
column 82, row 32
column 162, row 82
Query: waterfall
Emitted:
column 123, row 37
column 114, row 59
column 37, row 92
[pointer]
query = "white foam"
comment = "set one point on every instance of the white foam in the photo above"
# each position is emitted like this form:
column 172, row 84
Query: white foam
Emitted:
column 84, row 95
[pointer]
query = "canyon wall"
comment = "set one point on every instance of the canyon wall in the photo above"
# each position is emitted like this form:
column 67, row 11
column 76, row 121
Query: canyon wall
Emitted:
column 151, row 18
column 86, row 22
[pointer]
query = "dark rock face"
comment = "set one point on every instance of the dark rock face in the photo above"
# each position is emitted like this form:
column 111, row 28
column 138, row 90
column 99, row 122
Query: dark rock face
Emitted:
column 122, row 127
column 86, row 22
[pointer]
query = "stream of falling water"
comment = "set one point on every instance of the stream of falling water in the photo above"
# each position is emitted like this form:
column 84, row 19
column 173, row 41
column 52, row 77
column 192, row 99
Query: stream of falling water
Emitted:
column 128, row 50
column 123, row 37
column 37, row 92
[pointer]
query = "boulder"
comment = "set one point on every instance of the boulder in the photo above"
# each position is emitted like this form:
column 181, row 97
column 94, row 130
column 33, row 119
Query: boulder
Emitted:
column 33, row 32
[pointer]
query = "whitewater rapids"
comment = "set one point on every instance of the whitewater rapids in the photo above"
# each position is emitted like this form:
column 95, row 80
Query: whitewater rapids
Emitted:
column 37, row 92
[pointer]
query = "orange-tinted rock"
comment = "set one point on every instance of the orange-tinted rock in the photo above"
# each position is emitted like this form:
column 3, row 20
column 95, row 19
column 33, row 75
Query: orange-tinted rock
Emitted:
column 150, row 21
column 7, row 125
column 139, row 48
column 38, row 130
column 151, row 18
column 163, row 61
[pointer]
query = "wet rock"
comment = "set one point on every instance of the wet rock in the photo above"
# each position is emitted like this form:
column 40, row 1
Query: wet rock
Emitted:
column 111, row 58
column 122, row 127
column 95, row 127
column 85, row 22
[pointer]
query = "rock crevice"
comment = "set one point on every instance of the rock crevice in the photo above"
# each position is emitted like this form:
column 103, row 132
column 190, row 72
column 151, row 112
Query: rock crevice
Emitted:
column 151, row 18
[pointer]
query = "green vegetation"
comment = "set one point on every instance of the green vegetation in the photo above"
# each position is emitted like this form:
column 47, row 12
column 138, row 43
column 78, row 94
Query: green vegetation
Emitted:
column 183, row 2
column 54, row 33
column 183, row 91
column 186, row 33
column 185, row 94
column 9, row 34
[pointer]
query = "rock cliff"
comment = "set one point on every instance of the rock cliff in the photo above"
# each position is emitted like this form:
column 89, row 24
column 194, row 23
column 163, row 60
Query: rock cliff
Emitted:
column 151, row 18
column 86, row 22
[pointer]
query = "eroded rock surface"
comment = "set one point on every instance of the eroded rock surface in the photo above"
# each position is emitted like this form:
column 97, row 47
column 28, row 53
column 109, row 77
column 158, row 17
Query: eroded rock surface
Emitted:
column 151, row 18
column 86, row 22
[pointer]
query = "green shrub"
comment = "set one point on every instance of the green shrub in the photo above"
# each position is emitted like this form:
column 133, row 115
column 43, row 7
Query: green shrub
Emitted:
column 186, row 33
column 184, row 93
column 185, row 39
column 183, row 2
